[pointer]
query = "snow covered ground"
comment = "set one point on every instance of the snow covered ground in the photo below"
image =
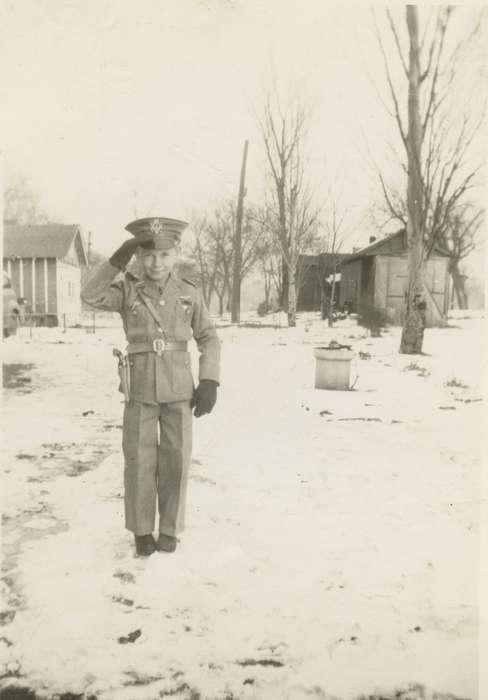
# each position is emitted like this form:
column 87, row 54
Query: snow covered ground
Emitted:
column 332, row 541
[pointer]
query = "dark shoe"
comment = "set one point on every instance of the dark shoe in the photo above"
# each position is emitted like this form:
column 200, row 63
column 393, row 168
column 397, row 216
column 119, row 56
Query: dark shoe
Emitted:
column 166, row 543
column 145, row 545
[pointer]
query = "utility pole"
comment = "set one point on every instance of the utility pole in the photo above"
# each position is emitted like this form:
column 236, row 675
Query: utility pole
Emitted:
column 237, row 268
column 134, row 196
column 89, row 248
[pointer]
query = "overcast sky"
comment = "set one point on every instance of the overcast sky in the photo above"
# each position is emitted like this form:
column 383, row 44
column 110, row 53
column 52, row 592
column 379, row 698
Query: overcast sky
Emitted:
column 104, row 98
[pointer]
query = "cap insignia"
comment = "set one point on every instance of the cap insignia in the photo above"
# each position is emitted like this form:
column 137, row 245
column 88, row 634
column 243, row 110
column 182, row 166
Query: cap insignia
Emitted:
column 156, row 227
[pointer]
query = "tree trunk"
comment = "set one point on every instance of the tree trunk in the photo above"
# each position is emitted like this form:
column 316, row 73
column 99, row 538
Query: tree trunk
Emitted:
column 284, row 285
column 292, row 300
column 323, row 301
column 458, row 284
column 330, row 315
column 267, row 287
column 237, row 268
column 292, row 268
column 221, row 304
column 414, row 320
column 227, row 295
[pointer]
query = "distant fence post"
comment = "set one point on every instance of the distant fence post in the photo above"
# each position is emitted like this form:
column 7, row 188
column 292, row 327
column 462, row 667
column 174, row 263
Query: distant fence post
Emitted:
column 94, row 326
column 64, row 323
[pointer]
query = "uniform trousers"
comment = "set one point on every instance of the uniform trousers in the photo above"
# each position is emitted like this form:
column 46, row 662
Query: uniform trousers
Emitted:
column 157, row 442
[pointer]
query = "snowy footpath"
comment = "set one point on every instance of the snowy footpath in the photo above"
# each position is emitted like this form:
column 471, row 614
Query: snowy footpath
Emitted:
column 332, row 541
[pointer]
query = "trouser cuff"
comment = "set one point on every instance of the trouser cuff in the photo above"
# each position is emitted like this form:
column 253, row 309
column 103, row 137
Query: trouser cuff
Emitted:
column 170, row 531
column 138, row 531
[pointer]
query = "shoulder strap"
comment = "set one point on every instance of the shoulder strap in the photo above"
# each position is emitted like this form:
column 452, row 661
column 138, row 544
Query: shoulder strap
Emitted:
column 150, row 307
column 188, row 281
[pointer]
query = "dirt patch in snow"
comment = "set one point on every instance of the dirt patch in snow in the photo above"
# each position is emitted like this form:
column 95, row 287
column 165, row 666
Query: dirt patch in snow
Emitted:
column 16, row 376
column 186, row 692
column 23, row 693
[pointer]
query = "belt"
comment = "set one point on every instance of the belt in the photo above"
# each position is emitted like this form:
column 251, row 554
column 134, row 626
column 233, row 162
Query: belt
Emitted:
column 158, row 345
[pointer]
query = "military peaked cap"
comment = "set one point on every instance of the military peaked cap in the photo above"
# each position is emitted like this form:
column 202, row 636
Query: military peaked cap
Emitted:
column 165, row 233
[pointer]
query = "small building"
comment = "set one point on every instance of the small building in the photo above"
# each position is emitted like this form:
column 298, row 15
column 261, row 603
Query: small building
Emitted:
column 44, row 263
column 377, row 275
column 314, row 270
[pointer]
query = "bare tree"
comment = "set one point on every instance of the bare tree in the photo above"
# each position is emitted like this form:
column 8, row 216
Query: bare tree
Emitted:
column 205, row 257
column 334, row 242
column 459, row 238
column 214, row 250
column 284, row 133
column 21, row 202
column 268, row 257
column 437, row 163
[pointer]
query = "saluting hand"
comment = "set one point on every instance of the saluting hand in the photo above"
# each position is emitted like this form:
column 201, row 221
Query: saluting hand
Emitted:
column 122, row 255
column 204, row 397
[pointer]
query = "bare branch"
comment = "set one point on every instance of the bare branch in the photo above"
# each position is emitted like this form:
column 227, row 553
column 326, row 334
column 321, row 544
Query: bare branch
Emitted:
column 395, row 213
column 392, row 91
column 397, row 42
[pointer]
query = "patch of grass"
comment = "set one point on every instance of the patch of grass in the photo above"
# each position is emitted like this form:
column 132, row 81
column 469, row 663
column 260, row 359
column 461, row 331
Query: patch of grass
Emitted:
column 22, row 693
column 17, row 693
column 415, row 367
column 190, row 693
column 123, row 601
column 125, row 576
column 130, row 638
column 78, row 467
column 141, row 679
column 455, row 383
column 414, row 691
column 261, row 662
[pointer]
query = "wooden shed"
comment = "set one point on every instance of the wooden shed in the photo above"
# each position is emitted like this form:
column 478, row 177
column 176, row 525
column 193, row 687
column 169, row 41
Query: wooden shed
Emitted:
column 378, row 275
column 44, row 263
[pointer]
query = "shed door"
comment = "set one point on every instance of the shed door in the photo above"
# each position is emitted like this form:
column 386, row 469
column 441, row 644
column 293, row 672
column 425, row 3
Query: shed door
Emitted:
column 396, row 286
column 437, row 291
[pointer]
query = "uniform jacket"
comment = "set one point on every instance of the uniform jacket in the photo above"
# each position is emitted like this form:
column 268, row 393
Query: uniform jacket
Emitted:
column 183, row 314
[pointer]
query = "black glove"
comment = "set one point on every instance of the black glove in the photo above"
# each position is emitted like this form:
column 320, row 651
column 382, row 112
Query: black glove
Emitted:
column 122, row 255
column 204, row 397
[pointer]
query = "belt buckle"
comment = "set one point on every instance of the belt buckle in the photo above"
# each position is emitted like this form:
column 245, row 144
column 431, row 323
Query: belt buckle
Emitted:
column 158, row 346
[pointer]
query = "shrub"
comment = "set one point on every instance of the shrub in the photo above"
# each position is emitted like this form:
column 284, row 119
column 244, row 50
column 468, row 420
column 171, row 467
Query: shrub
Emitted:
column 373, row 318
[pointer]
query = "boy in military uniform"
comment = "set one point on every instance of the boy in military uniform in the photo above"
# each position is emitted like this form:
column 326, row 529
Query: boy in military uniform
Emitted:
column 161, row 313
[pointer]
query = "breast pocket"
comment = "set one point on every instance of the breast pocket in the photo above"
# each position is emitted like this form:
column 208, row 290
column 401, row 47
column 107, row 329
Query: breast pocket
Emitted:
column 181, row 376
column 138, row 323
column 184, row 312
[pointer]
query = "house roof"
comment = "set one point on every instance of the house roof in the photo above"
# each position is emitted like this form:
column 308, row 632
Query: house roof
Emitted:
column 393, row 244
column 41, row 241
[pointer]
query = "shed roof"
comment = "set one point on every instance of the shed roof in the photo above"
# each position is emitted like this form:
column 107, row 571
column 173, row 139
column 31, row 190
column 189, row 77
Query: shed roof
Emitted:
column 327, row 259
column 393, row 244
column 41, row 241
